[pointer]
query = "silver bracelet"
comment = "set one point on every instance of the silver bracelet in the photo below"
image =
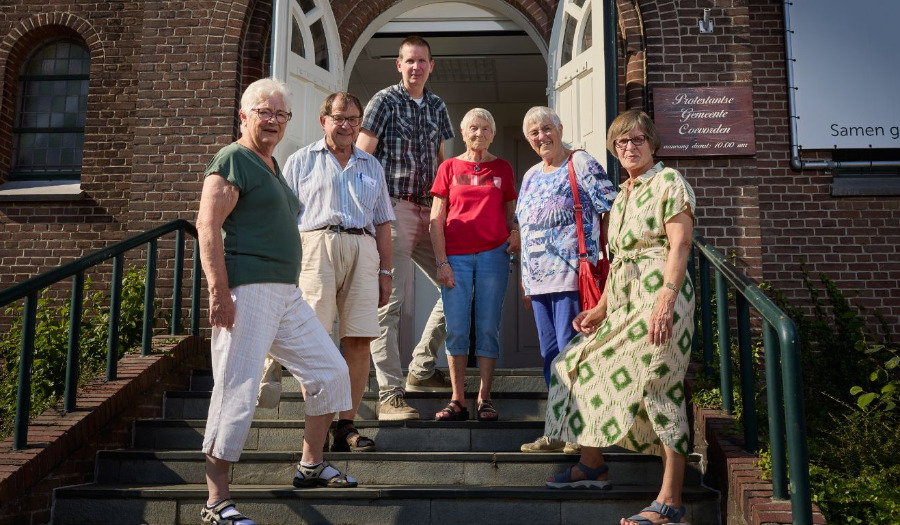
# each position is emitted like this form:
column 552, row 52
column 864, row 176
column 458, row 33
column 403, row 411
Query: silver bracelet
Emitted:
column 389, row 273
column 442, row 264
column 671, row 286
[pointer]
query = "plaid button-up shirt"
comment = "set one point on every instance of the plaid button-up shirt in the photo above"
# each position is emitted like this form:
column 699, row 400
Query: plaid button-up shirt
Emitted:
column 409, row 138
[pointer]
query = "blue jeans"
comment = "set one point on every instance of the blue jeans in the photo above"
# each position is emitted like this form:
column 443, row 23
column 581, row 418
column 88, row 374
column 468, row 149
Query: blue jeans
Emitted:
column 553, row 314
column 484, row 275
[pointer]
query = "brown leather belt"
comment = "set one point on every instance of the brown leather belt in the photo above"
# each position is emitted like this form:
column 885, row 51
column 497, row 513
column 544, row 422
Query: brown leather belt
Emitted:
column 417, row 199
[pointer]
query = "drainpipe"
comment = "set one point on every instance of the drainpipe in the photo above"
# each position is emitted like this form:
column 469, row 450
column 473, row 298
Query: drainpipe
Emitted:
column 611, row 76
column 796, row 163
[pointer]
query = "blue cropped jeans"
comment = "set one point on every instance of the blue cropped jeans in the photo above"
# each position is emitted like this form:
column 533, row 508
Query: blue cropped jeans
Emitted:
column 483, row 275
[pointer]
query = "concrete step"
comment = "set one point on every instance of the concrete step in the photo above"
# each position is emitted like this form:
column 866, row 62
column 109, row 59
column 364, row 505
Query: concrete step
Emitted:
column 528, row 406
column 390, row 436
column 505, row 380
column 378, row 468
column 434, row 504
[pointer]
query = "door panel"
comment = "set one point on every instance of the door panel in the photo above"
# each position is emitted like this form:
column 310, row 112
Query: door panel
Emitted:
column 576, row 83
column 308, row 58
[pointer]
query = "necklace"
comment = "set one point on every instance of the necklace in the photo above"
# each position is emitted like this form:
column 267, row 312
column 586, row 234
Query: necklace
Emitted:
column 468, row 158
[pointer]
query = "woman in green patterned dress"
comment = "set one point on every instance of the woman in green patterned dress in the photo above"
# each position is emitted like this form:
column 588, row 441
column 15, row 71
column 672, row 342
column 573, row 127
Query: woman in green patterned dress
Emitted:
column 620, row 382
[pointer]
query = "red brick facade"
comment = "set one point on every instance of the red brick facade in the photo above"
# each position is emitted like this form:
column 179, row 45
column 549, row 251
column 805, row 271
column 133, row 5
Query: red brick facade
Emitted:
column 166, row 75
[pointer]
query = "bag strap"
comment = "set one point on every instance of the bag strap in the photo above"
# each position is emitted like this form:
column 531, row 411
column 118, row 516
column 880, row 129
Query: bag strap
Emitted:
column 579, row 224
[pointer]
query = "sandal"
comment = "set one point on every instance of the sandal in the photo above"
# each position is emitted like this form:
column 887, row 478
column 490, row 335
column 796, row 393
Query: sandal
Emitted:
column 213, row 515
column 453, row 412
column 674, row 515
column 563, row 480
column 486, row 411
column 348, row 439
column 322, row 475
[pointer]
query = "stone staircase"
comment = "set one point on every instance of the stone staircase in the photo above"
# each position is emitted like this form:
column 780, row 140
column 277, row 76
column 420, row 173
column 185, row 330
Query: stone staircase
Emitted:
column 424, row 472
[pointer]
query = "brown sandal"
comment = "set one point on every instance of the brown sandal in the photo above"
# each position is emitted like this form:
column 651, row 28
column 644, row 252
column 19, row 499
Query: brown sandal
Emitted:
column 348, row 439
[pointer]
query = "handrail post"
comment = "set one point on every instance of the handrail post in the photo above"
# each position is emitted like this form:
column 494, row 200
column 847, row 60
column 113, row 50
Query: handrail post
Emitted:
column 149, row 295
column 175, row 327
column 692, row 275
column 706, row 307
column 72, row 364
column 776, row 412
column 26, row 361
column 748, row 379
column 115, row 311
column 195, row 291
column 796, row 423
column 724, row 322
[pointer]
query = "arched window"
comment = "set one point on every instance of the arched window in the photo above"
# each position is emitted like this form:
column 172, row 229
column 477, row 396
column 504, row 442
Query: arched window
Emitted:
column 48, row 135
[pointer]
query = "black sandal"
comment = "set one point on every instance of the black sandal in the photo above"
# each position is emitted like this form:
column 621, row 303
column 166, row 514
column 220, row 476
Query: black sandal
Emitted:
column 453, row 412
column 348, row 439
column 487, row 408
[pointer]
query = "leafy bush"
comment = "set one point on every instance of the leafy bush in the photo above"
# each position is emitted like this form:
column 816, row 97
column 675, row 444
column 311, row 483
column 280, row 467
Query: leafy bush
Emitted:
column 51, row 340
column 851, row 388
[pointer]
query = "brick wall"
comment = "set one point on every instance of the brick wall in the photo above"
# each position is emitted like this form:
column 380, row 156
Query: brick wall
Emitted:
column 62, row 447
column 166, row 76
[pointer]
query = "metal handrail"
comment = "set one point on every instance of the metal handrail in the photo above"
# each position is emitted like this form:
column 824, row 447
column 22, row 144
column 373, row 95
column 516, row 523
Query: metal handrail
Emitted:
column 31, row 289
column 784, row 383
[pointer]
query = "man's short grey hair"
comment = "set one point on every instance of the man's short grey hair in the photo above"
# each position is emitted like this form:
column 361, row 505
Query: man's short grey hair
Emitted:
column 263, row 89
column 540, row 114
column 481, row 113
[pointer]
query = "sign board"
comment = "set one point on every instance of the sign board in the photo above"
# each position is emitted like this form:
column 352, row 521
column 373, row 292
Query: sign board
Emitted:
column 702, row 121
column 846, row 71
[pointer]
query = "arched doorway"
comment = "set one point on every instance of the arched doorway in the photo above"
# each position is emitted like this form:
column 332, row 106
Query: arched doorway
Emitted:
column 486, row 55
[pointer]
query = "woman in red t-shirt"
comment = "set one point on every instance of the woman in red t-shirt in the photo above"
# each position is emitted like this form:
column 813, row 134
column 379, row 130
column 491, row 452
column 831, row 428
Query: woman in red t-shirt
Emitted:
column 473, row 231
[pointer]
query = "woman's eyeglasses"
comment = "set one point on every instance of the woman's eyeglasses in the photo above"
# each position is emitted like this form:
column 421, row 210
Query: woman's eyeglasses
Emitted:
column 637, row 141
column 280, row 117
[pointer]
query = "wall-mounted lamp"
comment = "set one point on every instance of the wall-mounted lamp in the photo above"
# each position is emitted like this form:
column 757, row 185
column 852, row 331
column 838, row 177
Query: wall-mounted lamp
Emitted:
column 706, row 23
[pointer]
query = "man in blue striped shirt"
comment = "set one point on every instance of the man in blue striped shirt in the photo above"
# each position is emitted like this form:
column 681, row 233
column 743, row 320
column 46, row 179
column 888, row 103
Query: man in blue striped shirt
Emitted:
column 345, row 230
column 405, row 127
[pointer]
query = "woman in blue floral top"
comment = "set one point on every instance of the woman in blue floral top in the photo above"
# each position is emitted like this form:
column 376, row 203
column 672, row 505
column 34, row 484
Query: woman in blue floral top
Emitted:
column 546, row 216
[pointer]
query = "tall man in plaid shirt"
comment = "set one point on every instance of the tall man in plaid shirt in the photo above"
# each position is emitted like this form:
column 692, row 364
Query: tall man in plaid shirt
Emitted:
column 405, row 127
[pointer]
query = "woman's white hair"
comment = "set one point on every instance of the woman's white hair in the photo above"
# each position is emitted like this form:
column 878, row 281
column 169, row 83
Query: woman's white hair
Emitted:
column 481, row 113
column 261, row 90
column 540, row 114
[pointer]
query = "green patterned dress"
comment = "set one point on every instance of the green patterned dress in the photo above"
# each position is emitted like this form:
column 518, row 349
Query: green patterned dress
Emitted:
column 614, row 386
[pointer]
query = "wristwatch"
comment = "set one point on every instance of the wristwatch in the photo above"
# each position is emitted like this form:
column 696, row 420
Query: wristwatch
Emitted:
column 389, row 273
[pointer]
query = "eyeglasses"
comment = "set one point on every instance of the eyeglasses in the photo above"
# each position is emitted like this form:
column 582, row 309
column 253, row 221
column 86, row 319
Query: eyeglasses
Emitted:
column 340, row 121
column 280, row 117
column 637, row 141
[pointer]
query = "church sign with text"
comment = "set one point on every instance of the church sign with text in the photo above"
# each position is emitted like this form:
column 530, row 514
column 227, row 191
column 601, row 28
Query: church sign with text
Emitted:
column 704, row 121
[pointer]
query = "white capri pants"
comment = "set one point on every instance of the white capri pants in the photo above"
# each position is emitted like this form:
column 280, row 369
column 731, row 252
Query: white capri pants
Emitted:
column 270, row 318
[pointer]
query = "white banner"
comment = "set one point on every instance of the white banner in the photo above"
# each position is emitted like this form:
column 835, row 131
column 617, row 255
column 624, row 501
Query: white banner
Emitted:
column 847, row 73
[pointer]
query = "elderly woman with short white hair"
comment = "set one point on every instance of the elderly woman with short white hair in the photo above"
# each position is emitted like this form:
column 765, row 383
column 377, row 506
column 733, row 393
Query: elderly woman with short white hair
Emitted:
column 473, row 232
column 250, row 251
column 546, row 217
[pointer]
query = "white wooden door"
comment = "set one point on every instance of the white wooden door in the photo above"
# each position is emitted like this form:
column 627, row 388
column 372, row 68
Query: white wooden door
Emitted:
column 307, row 56
column 576, row 75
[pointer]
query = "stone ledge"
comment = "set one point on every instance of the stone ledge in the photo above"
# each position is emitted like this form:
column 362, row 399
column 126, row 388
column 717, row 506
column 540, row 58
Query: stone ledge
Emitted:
column 746, row 495
column 61, row 446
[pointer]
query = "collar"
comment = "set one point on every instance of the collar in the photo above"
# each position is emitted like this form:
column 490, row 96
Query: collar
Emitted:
column 320, row 146
column 644, row 177
column 425, row 93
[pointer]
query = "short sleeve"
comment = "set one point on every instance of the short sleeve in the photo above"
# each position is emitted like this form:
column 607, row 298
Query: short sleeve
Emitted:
column 446, row 127
column 594, row 181
column 225, row 164
column 377, row 114
column 678, row 195
column 441, row 185
column 509, row 182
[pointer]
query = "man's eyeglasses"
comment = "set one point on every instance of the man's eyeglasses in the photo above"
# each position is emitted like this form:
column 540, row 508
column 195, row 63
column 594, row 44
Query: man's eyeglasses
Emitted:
column 280, row 117
column 637, row 141
column 340, row 121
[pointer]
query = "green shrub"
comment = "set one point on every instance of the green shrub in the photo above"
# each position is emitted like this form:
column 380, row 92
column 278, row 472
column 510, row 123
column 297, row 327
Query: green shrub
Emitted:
column 51, row 342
